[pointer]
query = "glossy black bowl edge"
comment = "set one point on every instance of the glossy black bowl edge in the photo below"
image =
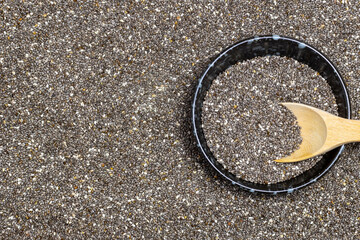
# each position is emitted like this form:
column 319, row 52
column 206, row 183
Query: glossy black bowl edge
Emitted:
column 262, row 46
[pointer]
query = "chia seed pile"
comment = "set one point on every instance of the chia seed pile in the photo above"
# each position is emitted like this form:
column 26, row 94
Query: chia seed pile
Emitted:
column 95, row 130
column 245, row 126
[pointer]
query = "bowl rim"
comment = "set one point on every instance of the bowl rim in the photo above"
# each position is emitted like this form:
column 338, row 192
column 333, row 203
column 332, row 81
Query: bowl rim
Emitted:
column 224, row 174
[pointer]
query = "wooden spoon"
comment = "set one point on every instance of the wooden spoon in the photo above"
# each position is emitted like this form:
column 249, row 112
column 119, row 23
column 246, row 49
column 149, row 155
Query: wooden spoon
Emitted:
column 320, row 131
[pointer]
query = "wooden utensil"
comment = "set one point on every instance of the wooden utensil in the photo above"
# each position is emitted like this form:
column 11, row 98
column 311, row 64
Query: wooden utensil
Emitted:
column 320, row 131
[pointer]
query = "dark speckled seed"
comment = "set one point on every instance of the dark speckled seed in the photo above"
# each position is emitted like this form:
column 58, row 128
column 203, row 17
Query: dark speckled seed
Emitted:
column 95, row 137
column 245, row 126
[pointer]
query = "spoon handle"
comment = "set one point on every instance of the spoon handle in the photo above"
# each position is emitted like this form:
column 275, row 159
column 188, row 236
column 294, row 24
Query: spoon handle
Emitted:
column 350, row 130
column 341, row 131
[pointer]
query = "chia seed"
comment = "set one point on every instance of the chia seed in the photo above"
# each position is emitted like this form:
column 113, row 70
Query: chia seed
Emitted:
column 95, row 121
column 245, row 126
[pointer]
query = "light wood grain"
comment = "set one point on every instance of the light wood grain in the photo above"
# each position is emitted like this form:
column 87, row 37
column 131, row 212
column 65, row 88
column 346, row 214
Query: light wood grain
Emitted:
column 320, row 131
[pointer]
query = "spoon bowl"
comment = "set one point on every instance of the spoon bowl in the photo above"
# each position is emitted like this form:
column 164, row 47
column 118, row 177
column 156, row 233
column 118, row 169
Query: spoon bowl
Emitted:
column 320, row 131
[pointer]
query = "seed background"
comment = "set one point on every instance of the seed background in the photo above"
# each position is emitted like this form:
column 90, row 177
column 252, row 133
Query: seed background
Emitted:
column 95, row 138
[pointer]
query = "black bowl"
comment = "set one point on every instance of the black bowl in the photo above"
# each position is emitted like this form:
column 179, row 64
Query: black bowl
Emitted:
column 263, row 46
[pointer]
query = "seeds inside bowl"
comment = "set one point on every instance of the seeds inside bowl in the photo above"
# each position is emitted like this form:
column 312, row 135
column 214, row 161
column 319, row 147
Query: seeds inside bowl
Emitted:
column 245, row 126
